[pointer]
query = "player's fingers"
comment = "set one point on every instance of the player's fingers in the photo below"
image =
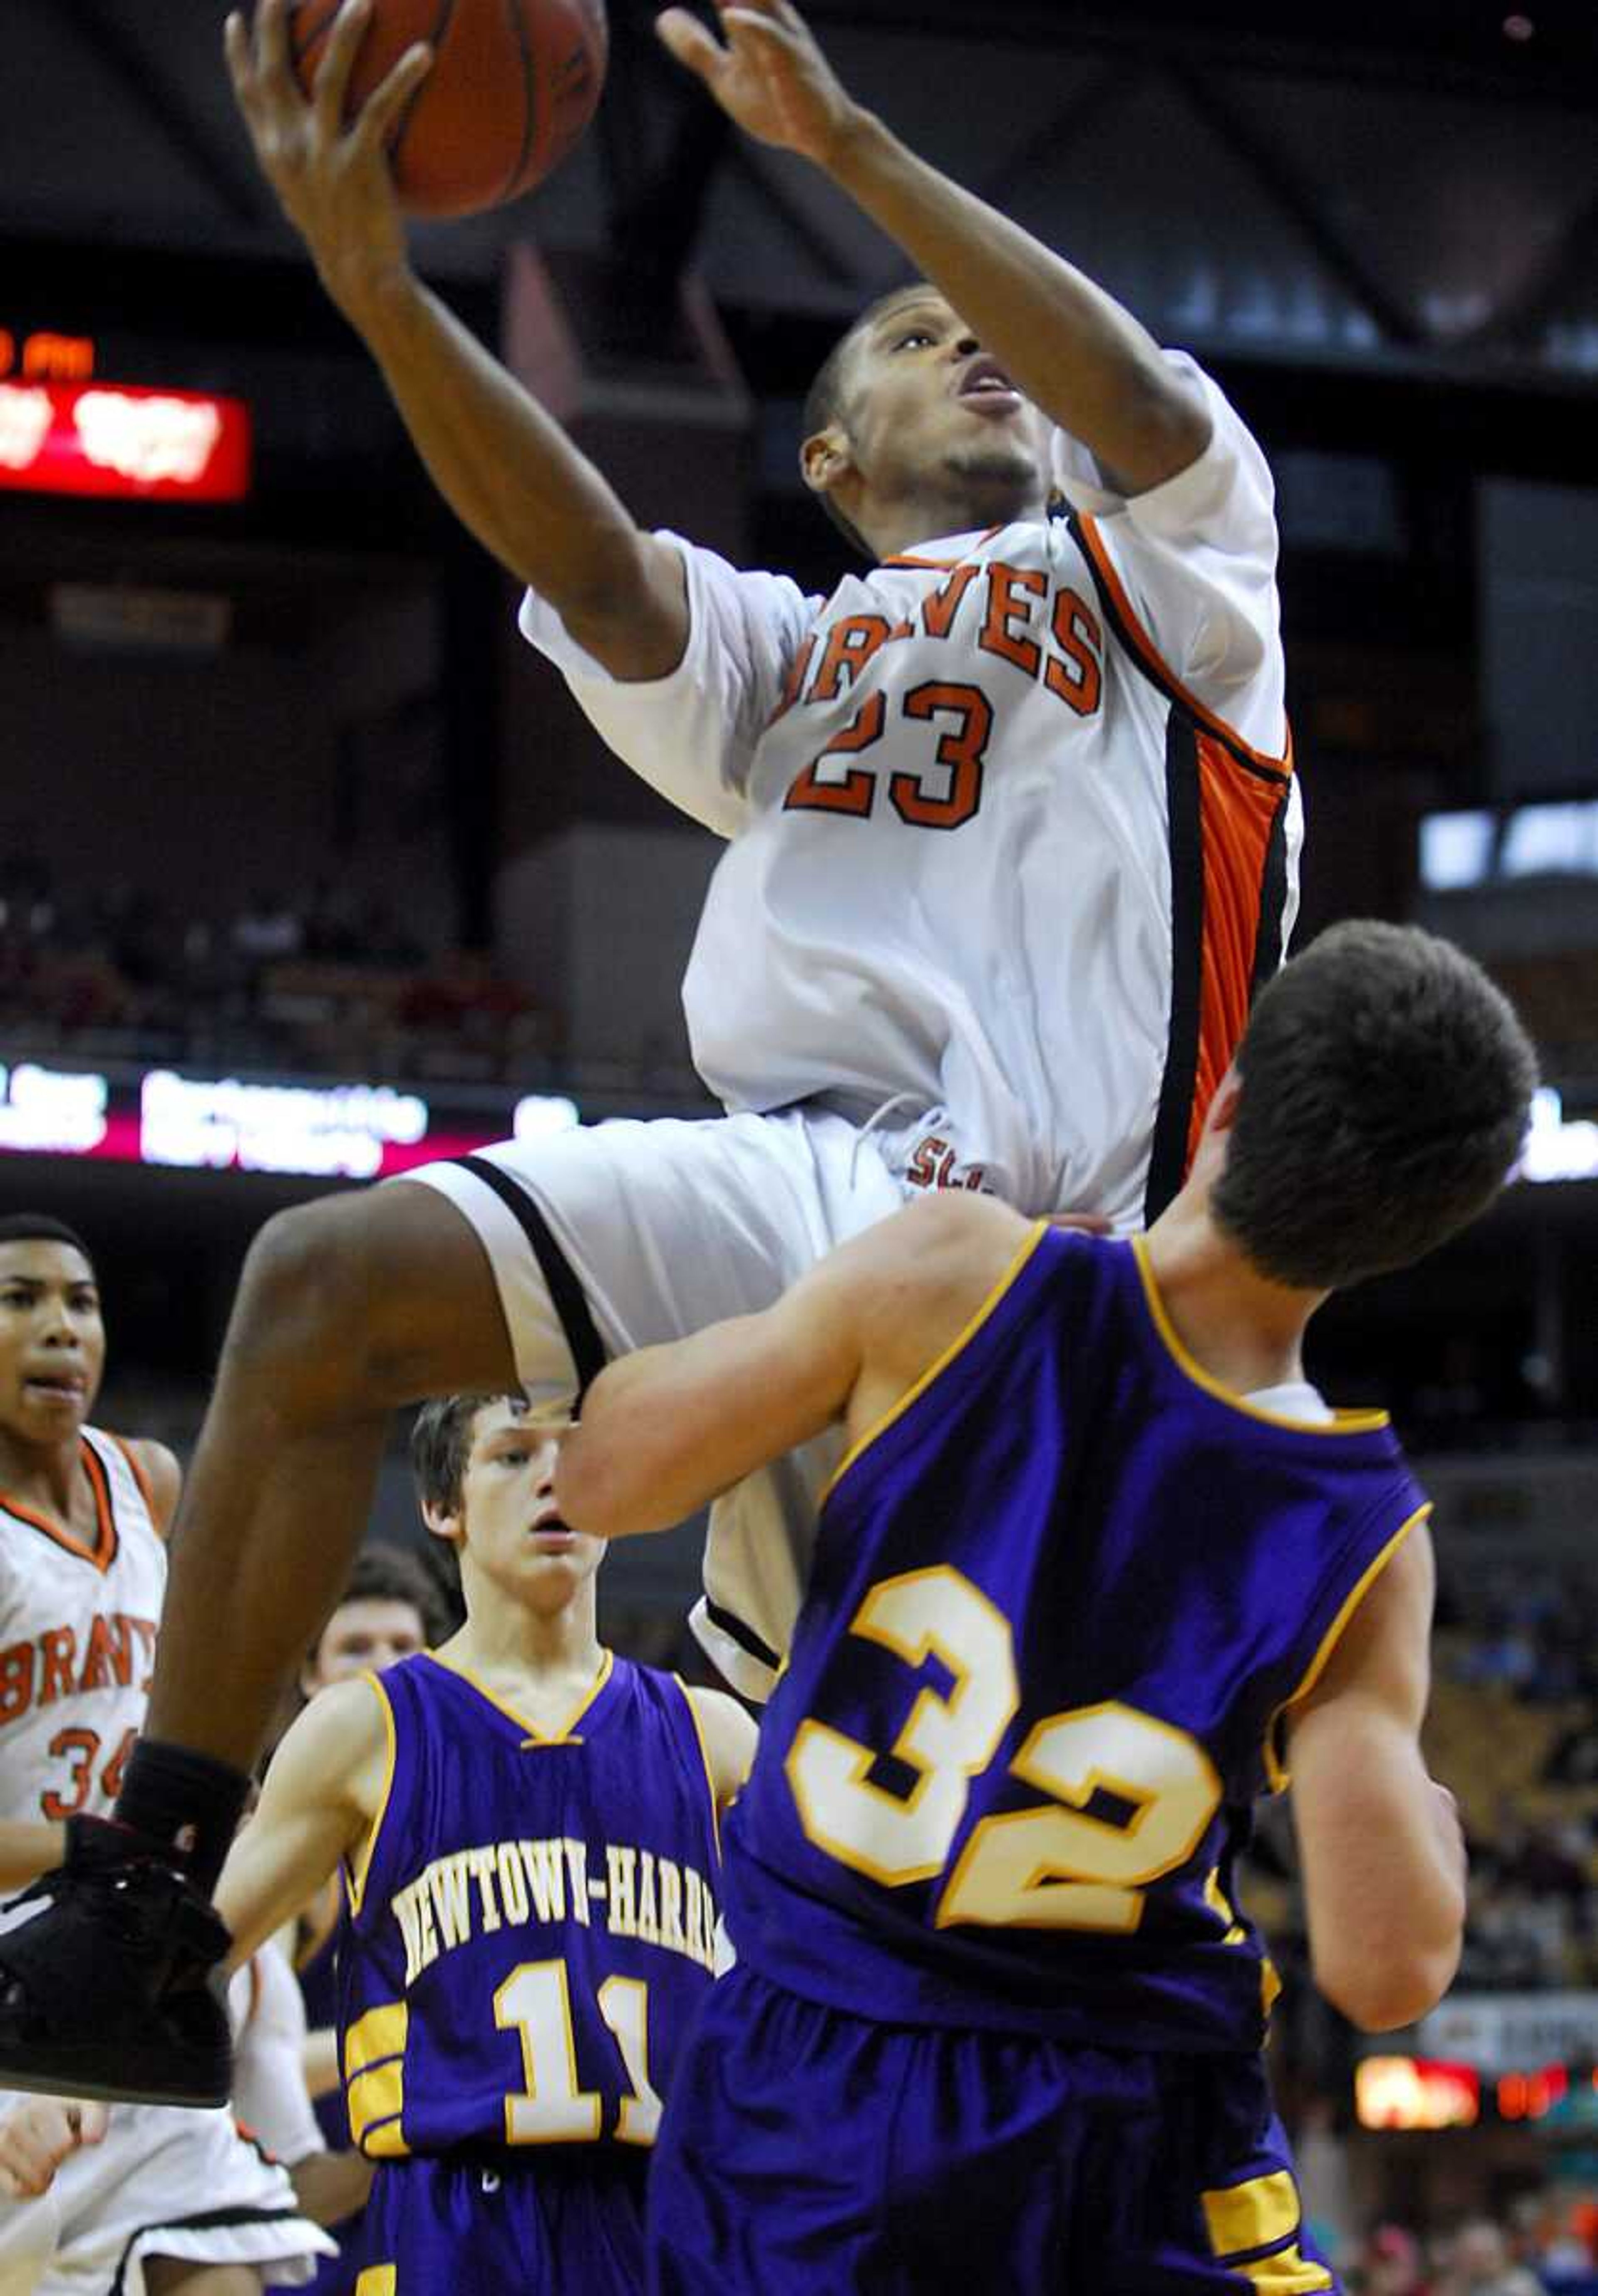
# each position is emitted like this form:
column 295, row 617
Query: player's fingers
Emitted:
column 689, row 41
column 336, row 64
column 380, row 113
column 29, row 2166
column 93, row 2121
column 273, row 74
column 241, row 64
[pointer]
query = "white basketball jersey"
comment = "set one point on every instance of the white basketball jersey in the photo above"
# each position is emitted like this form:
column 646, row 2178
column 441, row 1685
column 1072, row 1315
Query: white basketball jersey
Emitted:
column 78, row 1627
column 1013, row 830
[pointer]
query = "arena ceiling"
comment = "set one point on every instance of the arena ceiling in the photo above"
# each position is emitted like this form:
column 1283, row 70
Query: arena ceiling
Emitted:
column 1403, row 186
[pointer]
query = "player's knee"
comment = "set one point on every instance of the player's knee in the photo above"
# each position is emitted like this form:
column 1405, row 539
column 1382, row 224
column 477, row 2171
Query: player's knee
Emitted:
column 307, row 1288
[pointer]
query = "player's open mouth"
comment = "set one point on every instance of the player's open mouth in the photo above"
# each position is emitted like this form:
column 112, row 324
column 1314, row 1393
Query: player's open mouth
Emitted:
column 985, row 385
column 57, row 1390
column 552, row 1536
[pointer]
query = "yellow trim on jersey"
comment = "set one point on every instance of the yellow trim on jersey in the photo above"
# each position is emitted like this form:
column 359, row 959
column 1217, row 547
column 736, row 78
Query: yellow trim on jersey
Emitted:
column 360, row 1865
column 709, row 1776
column 540, row 1737
column 1275, row 1770
column 1252, row 2215
column 378, row 2280
column 374, row 2078
column 1342, row 1422
column 956, row 1346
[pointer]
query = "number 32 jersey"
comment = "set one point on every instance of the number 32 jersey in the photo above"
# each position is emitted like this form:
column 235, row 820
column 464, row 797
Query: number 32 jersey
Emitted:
column 78, row 1627
column 1060, row 1603
column 1013, row 832
column 534, row 1921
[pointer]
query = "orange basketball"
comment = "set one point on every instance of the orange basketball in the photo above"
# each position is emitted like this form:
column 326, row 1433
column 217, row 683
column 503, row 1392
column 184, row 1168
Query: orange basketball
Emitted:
column 513, row 84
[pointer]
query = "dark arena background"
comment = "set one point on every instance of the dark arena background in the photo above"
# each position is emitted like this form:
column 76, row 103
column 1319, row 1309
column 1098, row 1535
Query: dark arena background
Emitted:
column 310, row 869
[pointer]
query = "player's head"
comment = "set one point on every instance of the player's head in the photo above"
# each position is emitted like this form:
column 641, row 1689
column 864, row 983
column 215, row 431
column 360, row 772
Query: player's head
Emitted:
column 485, row 1474
column 908, row 420
column 389, row 1608
column 51, row 1339
column 1379, row 1100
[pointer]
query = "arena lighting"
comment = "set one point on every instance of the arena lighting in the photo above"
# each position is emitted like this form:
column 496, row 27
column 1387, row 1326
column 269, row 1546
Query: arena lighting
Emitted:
column 1531, row 2096
column 1415, row 2092
column 122, row 440
column 45, row 1112
column 334, row 1131
column 1555, row 1149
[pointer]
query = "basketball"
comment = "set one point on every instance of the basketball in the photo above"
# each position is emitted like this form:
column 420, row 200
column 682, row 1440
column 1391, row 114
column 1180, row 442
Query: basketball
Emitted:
column 513, row 84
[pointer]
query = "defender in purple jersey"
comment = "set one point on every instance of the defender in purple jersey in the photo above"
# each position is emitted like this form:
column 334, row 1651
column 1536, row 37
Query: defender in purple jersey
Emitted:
column 1100, row 1567
column 390, row 1610
column 527, row 1827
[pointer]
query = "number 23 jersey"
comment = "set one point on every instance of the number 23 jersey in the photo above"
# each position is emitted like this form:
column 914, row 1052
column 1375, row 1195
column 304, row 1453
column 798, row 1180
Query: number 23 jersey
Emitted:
column 534, row 1922
column 1013, row 828
column 1059, row 1603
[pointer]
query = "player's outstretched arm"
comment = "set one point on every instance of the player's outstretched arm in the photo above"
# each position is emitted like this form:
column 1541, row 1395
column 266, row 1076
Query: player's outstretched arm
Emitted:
column 1071, row 347
column 506, row 468
column 322, row 1794
column 666, row 1430
column 1379, row 1842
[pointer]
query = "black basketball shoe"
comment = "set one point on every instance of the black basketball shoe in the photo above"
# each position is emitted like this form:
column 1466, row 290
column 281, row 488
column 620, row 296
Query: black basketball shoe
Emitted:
column 116, row 1989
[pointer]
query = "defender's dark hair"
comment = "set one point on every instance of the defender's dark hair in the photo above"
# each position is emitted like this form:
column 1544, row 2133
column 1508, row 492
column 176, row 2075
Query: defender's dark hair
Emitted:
column 440, row 1444
column 383, row 1573
column 1386, row 1091
column 30, row 1227
column 825, row 401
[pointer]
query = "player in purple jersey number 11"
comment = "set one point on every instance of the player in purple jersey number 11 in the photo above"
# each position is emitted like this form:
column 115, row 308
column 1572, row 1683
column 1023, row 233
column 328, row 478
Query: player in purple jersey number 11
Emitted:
column 1099, row 1566
column 528, row 1825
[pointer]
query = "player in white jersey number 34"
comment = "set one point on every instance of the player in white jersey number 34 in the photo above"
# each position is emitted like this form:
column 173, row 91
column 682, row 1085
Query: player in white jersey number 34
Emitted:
column 1011, row 838
column 164, row 2201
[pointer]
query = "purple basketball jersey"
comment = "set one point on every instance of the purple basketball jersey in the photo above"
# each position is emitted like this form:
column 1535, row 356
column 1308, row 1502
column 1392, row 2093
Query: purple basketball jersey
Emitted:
column 1059, row 1603
column 534, row 1928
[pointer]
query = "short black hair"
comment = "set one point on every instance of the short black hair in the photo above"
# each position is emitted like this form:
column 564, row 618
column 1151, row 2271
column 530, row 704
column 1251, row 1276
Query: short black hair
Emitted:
column 42, row 1227
column 386, row 1573
column 1385, row 1091
column 825, row 401
column 440, row 1444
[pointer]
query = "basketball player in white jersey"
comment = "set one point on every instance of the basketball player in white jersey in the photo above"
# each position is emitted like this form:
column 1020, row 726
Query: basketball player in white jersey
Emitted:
column 164, row 2200
column 1011, row 837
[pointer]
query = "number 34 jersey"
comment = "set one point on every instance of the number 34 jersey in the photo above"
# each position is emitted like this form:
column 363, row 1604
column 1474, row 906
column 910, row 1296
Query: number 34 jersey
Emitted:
column 77, row 1624
column 1060, row 1603
column 534, row 1923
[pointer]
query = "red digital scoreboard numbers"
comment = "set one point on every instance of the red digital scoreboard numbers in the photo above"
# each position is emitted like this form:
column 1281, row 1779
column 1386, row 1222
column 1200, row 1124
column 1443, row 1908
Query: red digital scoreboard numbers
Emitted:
column 122, row 440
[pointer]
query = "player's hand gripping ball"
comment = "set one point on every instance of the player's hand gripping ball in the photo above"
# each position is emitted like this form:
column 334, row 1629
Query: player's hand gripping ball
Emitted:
column 513, row 85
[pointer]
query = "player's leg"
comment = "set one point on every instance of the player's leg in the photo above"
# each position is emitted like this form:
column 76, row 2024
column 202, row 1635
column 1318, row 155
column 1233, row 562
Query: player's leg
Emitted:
column 346, row 1309
column 176, row 2275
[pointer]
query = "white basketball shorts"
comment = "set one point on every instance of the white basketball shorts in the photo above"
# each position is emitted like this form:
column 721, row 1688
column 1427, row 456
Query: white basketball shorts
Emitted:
column 165, row 2182
column 623, row 1235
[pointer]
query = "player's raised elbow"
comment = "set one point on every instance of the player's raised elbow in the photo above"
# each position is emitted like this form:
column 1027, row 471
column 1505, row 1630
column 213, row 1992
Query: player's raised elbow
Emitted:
column 1161, row 427
column 629, row 607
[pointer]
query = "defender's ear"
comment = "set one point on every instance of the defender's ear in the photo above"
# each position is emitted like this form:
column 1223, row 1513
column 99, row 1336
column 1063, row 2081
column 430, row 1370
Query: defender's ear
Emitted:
column 443, row 1523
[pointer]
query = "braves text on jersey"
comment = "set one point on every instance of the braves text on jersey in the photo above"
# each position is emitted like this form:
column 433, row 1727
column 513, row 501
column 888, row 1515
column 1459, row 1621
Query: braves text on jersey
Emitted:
column 78, row 1626
column 1013, row 826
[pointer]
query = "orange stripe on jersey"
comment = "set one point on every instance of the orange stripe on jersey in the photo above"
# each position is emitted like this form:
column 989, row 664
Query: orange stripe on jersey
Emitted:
column 1086, row 530
column 136, row 1468
column 1238, row 817
column 103, row 1553
column 944, row 565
